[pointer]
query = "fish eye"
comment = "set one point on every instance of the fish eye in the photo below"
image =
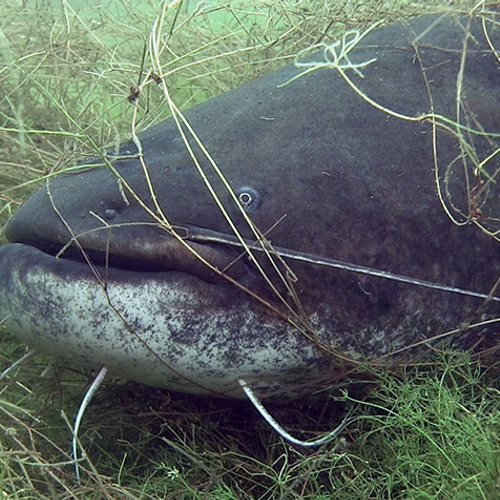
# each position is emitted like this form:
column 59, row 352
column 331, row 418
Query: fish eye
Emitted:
column 248, row 197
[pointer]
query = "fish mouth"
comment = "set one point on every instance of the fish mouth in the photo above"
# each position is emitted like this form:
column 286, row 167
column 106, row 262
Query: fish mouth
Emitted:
column 20, row 261
column 155, row 250
column 170, row 326
column 164, row 328
column 194, row 278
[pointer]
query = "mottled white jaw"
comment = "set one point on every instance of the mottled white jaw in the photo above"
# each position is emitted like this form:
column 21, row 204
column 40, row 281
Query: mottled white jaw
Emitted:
column 166, row 329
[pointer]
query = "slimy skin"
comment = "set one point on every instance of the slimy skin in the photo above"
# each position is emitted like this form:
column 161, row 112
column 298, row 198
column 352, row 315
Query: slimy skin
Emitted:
column 328, row 174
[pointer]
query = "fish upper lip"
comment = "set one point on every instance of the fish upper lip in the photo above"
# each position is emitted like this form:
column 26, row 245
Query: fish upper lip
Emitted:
column 156, row 251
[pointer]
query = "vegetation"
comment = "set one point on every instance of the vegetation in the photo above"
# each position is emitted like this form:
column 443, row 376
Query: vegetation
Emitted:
column 66, row 74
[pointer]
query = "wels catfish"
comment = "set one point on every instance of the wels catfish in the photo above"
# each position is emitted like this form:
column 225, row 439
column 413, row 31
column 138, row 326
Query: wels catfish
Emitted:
column 332, row 212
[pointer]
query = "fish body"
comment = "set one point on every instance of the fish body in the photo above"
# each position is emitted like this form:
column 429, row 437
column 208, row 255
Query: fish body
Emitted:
column 325, row 171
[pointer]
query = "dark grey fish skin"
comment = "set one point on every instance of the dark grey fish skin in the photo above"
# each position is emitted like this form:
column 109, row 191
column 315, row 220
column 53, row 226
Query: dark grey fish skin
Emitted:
column 354, row 183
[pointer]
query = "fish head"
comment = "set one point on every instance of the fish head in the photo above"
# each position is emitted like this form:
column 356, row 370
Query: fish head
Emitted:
column 210, row 247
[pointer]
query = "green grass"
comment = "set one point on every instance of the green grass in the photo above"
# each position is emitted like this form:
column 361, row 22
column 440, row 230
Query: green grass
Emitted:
column 426, row 433
column 439, row 437
column 429, row 432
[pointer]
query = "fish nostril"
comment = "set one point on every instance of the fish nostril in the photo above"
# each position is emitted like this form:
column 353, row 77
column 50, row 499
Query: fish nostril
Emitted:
column 111, row 208
column 110, row 213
